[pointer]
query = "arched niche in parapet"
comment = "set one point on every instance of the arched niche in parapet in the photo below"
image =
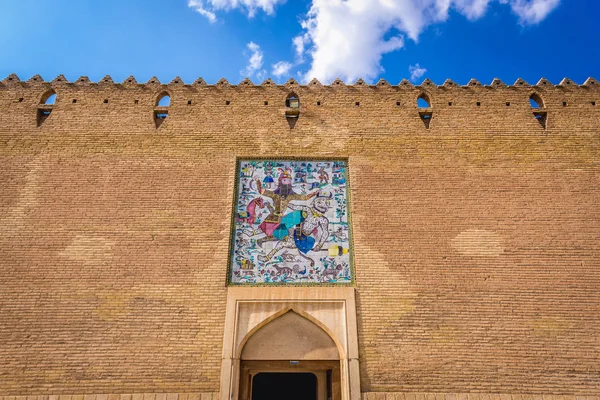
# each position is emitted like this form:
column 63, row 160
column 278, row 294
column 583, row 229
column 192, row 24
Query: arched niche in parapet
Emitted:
column 161, row 107
column 48, row 98
column 538, row 107
column 536, row 101
column 289, row 336
column 292, row 108
column 163, row 99
column 425, row 110
column 423, row 100
column 45, row 106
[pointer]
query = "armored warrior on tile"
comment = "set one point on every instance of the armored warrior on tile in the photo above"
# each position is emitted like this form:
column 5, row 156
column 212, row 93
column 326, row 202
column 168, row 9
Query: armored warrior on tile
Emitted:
column 310, row 232
column 276, row 226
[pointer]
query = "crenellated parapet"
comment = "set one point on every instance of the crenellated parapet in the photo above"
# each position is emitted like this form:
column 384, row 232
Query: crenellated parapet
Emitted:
column 14, row 80
column 542, row 106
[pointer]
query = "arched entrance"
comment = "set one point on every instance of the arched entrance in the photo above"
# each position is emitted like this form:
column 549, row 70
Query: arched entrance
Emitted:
column 291, row 330
column 290, row 356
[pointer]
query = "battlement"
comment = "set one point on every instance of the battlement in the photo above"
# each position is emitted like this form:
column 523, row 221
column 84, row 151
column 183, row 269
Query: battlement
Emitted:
column 360, row 107
column 13, row 80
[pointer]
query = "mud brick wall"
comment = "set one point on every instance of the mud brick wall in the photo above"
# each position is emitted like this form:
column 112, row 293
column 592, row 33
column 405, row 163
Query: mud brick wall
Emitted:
column 477, row 239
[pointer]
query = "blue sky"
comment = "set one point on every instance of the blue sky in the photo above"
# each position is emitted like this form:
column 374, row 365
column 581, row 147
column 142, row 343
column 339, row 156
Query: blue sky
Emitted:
column 372, row 39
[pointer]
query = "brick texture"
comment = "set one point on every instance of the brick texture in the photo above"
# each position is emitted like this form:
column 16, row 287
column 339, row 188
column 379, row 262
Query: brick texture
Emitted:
column 477, row 240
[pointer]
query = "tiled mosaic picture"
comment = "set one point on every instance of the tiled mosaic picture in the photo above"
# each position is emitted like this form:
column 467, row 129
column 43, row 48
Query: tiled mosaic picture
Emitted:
column 291, row 223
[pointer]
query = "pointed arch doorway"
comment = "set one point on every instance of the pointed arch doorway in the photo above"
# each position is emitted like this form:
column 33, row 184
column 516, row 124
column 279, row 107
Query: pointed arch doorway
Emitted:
column 290, row 357
column 278, row 333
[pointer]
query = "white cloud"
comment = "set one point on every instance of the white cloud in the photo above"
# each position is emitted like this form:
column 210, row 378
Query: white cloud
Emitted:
column 348, row 38
column 281, row 68
column 255, row 62
column 300, row 43
column 416, row 71
column 472, row 9
column 208, row 8
column 534, row 11
column 198, row 6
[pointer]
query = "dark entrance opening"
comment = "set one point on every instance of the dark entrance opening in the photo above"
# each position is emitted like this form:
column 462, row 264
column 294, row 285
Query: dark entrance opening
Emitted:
column 284, row 385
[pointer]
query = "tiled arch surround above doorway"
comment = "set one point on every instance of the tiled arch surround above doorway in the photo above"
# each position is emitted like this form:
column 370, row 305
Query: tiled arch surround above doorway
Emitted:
column 251, row 308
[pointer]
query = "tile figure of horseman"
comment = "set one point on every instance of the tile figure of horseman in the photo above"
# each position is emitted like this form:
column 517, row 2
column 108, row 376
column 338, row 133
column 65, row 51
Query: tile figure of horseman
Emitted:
column 276, row 225
column 310, row 230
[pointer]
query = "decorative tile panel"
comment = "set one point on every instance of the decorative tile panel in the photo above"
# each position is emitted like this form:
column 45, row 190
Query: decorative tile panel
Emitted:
column 291, row 223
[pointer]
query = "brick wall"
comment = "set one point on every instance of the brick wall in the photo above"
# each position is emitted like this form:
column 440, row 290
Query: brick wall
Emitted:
column 477, row 240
